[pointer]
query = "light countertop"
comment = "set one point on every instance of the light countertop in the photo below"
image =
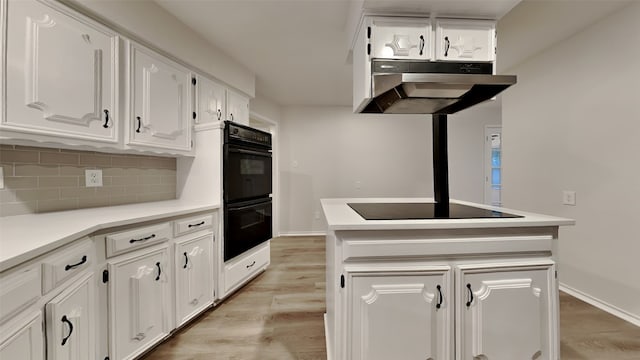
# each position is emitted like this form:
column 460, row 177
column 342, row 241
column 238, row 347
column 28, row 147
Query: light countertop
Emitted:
column 340, row 216
column 25, row 237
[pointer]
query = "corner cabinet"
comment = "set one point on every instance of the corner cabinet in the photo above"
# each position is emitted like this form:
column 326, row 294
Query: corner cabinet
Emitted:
column 49, row 47
column 161, row 107
column 23, row 339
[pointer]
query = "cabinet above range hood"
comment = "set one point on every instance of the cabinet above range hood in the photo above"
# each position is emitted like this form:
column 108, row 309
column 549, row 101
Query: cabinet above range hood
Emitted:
column 419, row 87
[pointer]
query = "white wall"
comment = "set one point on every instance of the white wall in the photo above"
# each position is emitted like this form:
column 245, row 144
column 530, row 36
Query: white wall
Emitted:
column 152, row 23
column 573, row 123
column 325, row 151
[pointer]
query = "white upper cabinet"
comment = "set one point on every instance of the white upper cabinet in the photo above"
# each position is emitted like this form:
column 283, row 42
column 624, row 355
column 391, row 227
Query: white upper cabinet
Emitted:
column 211, row 101
column 237, row 107
column 61, row 73
column 400, row 38
column 161, row 91
column 465, row 40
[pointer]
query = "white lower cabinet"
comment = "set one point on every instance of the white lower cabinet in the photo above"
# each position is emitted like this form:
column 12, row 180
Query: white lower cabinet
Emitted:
column 23, row 339
column 507, row 312
column 139, row 301
column 501, row 311
column 70, row 322
column 194, row 277
column 400, row 315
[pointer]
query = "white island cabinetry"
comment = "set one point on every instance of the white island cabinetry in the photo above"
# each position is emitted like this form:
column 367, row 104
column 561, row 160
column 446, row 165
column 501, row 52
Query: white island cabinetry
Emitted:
column 441, row 288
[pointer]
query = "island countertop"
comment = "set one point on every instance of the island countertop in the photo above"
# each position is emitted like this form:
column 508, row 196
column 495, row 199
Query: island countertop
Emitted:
column 24, row 237
column 340, row 216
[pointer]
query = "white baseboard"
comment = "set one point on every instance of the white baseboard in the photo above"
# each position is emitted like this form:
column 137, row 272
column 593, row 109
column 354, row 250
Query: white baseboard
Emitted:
column 303, row 233
column 611, row 309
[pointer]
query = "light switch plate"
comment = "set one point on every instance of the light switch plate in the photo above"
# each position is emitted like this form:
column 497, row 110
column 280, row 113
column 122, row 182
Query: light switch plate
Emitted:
column 93, row 178
column 569, row 197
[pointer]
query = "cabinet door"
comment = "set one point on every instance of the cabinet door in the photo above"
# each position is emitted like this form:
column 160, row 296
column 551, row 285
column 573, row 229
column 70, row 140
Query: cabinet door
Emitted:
column 465, row 40
column 139, row 302
column 399, row 316
column 161, row 102
column 48, row 49
column 194, row 277
column 70, row 323
column 237, row 107
column 211, row 105
column 393, row 38
column 26, row 342
column 508, row 313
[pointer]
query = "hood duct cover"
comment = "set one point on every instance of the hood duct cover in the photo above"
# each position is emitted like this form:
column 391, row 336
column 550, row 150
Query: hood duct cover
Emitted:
column 410, row 87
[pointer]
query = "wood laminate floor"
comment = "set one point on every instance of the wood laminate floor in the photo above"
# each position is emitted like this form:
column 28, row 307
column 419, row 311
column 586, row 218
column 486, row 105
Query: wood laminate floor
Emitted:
column 279, row 316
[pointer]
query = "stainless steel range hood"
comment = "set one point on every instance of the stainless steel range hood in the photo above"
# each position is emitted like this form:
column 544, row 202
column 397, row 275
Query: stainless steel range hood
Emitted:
column 401, row 87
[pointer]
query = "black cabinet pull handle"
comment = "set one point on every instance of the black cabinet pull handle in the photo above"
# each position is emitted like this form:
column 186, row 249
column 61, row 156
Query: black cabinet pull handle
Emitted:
column 106, row 119
column 421, row 44
column 231, row 115
column 142, row 239
column 447, row 43
column 219, row 114
column 250, row 265
column 65, row 320
column 159, row 271
column 470, row 295
column 69, row 267
column 186, row 260
column 196, row 225
column 441, row 298
column 139, row 124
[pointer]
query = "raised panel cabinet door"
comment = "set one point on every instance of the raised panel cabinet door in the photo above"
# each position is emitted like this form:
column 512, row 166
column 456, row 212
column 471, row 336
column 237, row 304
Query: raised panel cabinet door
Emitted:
column 161, row 92
column 26, row 342
column 393, row 38
column 508, row 313
column 194, row 277
column 70, row 323
column 139, row 304
column 399, row 316
column 465, row 40
column 61, row 74
column 211, row 104
column 237, row 107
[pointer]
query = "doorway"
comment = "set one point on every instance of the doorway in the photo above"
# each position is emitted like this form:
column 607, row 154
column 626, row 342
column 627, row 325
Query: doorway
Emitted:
column 493, row 165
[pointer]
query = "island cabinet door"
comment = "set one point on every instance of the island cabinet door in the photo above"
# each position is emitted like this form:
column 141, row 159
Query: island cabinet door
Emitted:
column 399, row 316
column 507, row 312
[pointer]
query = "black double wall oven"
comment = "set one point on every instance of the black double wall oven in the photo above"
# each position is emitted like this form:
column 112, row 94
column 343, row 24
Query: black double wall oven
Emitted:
column 247, row 187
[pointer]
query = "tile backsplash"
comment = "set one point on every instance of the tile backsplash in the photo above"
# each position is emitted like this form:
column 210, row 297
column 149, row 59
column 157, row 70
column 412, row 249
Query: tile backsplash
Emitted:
column 38, row 180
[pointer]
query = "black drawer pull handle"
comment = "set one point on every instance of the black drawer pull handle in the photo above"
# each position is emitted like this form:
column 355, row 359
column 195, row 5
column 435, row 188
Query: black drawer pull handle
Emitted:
column 69, row 267
column 65, row 320
column 106, row 119
column 447, row 43
column 251, row 265
column 139, row 124
column 186, row 260
column 159, row 271
column 441, row 298
column 470, row 295
column 198, row 224
column 142, row 239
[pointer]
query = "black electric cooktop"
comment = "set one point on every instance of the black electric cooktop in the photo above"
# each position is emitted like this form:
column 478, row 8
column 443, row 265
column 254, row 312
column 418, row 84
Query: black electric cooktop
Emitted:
column 420, row 211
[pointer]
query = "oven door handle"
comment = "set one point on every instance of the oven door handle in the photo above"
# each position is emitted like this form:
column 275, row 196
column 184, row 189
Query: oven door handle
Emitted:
column 250, row 152
column 231, row 208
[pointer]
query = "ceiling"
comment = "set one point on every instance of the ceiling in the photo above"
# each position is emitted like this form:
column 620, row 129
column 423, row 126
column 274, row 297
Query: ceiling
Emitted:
column 298, row 48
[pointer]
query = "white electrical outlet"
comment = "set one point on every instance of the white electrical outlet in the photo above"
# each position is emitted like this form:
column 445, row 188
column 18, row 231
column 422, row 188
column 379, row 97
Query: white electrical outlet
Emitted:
column 93, row 178
column 569, row 197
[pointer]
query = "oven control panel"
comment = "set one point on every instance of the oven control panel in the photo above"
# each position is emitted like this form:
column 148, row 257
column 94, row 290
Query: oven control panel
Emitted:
column 236, row 133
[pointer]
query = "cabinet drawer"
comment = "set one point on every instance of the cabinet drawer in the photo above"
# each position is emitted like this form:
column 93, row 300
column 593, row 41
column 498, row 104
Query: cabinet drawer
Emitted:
column 66, row 263
column 192, row 224
column 245, row 266
column 18, row 290
column 125, row 241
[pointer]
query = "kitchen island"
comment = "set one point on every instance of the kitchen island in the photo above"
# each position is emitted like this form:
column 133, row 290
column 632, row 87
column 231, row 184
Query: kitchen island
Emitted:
column 440, row 288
